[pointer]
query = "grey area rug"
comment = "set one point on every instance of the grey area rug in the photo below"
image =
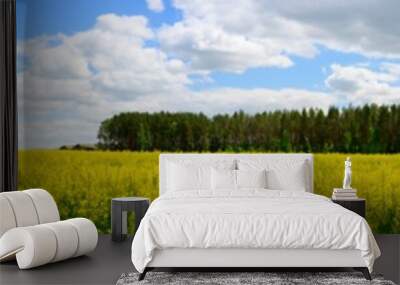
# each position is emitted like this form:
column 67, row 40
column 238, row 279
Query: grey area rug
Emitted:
column 225, row 278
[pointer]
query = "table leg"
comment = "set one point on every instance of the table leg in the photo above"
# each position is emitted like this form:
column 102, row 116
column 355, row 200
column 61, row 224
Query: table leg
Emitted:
column 116, row 222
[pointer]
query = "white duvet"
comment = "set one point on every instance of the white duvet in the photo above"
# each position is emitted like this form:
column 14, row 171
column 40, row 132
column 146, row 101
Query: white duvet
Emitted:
column 250, row 219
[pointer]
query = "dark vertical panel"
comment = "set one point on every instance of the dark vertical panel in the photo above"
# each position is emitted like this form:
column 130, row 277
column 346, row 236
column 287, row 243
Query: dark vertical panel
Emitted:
column 8, row 97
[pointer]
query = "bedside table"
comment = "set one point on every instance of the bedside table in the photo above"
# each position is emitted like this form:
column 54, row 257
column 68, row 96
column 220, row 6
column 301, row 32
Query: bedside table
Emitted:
column 119, row 209
column 357, row 205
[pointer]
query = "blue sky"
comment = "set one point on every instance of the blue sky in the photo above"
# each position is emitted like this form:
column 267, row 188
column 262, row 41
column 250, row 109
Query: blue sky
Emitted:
column 48, row 17
column 305, row 73
column 86, row 60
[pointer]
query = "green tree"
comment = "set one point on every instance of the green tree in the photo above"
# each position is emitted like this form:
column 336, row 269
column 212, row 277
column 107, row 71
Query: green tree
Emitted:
column 365, row 129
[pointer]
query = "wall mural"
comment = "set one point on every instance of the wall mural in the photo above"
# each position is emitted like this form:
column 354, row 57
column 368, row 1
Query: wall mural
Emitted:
column 104, row 86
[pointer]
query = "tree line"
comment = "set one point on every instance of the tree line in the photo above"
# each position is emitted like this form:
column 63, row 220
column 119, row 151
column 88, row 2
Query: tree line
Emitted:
column 366, row 129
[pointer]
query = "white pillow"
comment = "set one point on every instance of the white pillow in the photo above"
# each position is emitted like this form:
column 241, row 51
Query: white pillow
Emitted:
column 292, row 180
column 251, row 178
column 223, row 179
column 188, row 177
column 281, row 174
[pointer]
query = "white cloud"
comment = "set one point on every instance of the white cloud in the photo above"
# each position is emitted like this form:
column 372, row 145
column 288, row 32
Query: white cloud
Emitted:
column 111, row 56
column 361, row 85
column 219, row 35
column 155, row 5
column 229, row 100
column 125, row 26
column 391, row 68
column 206, row 47
column 367, row 27
column 87, row 76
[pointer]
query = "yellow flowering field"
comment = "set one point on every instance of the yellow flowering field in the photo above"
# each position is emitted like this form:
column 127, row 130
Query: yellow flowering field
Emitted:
column 83, row 182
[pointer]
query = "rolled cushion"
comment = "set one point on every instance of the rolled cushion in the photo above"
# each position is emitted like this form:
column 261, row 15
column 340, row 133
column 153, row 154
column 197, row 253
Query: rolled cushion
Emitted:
column 26, row 208
column 23, row 208
column 66, row 238
column 33, row 246
column 37, row 245
column 7, row 218
column 87, row 235
column 46, row 207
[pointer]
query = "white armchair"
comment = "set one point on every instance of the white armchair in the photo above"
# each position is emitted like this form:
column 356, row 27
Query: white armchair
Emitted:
column 31, row 230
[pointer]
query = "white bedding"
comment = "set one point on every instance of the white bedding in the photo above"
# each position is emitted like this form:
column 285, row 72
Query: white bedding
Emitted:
column 250, row 218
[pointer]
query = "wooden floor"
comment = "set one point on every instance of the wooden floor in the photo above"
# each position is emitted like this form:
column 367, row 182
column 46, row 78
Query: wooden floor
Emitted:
column 110, row 260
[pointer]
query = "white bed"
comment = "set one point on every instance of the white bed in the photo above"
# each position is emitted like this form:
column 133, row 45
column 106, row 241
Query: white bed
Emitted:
column 249, row 227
